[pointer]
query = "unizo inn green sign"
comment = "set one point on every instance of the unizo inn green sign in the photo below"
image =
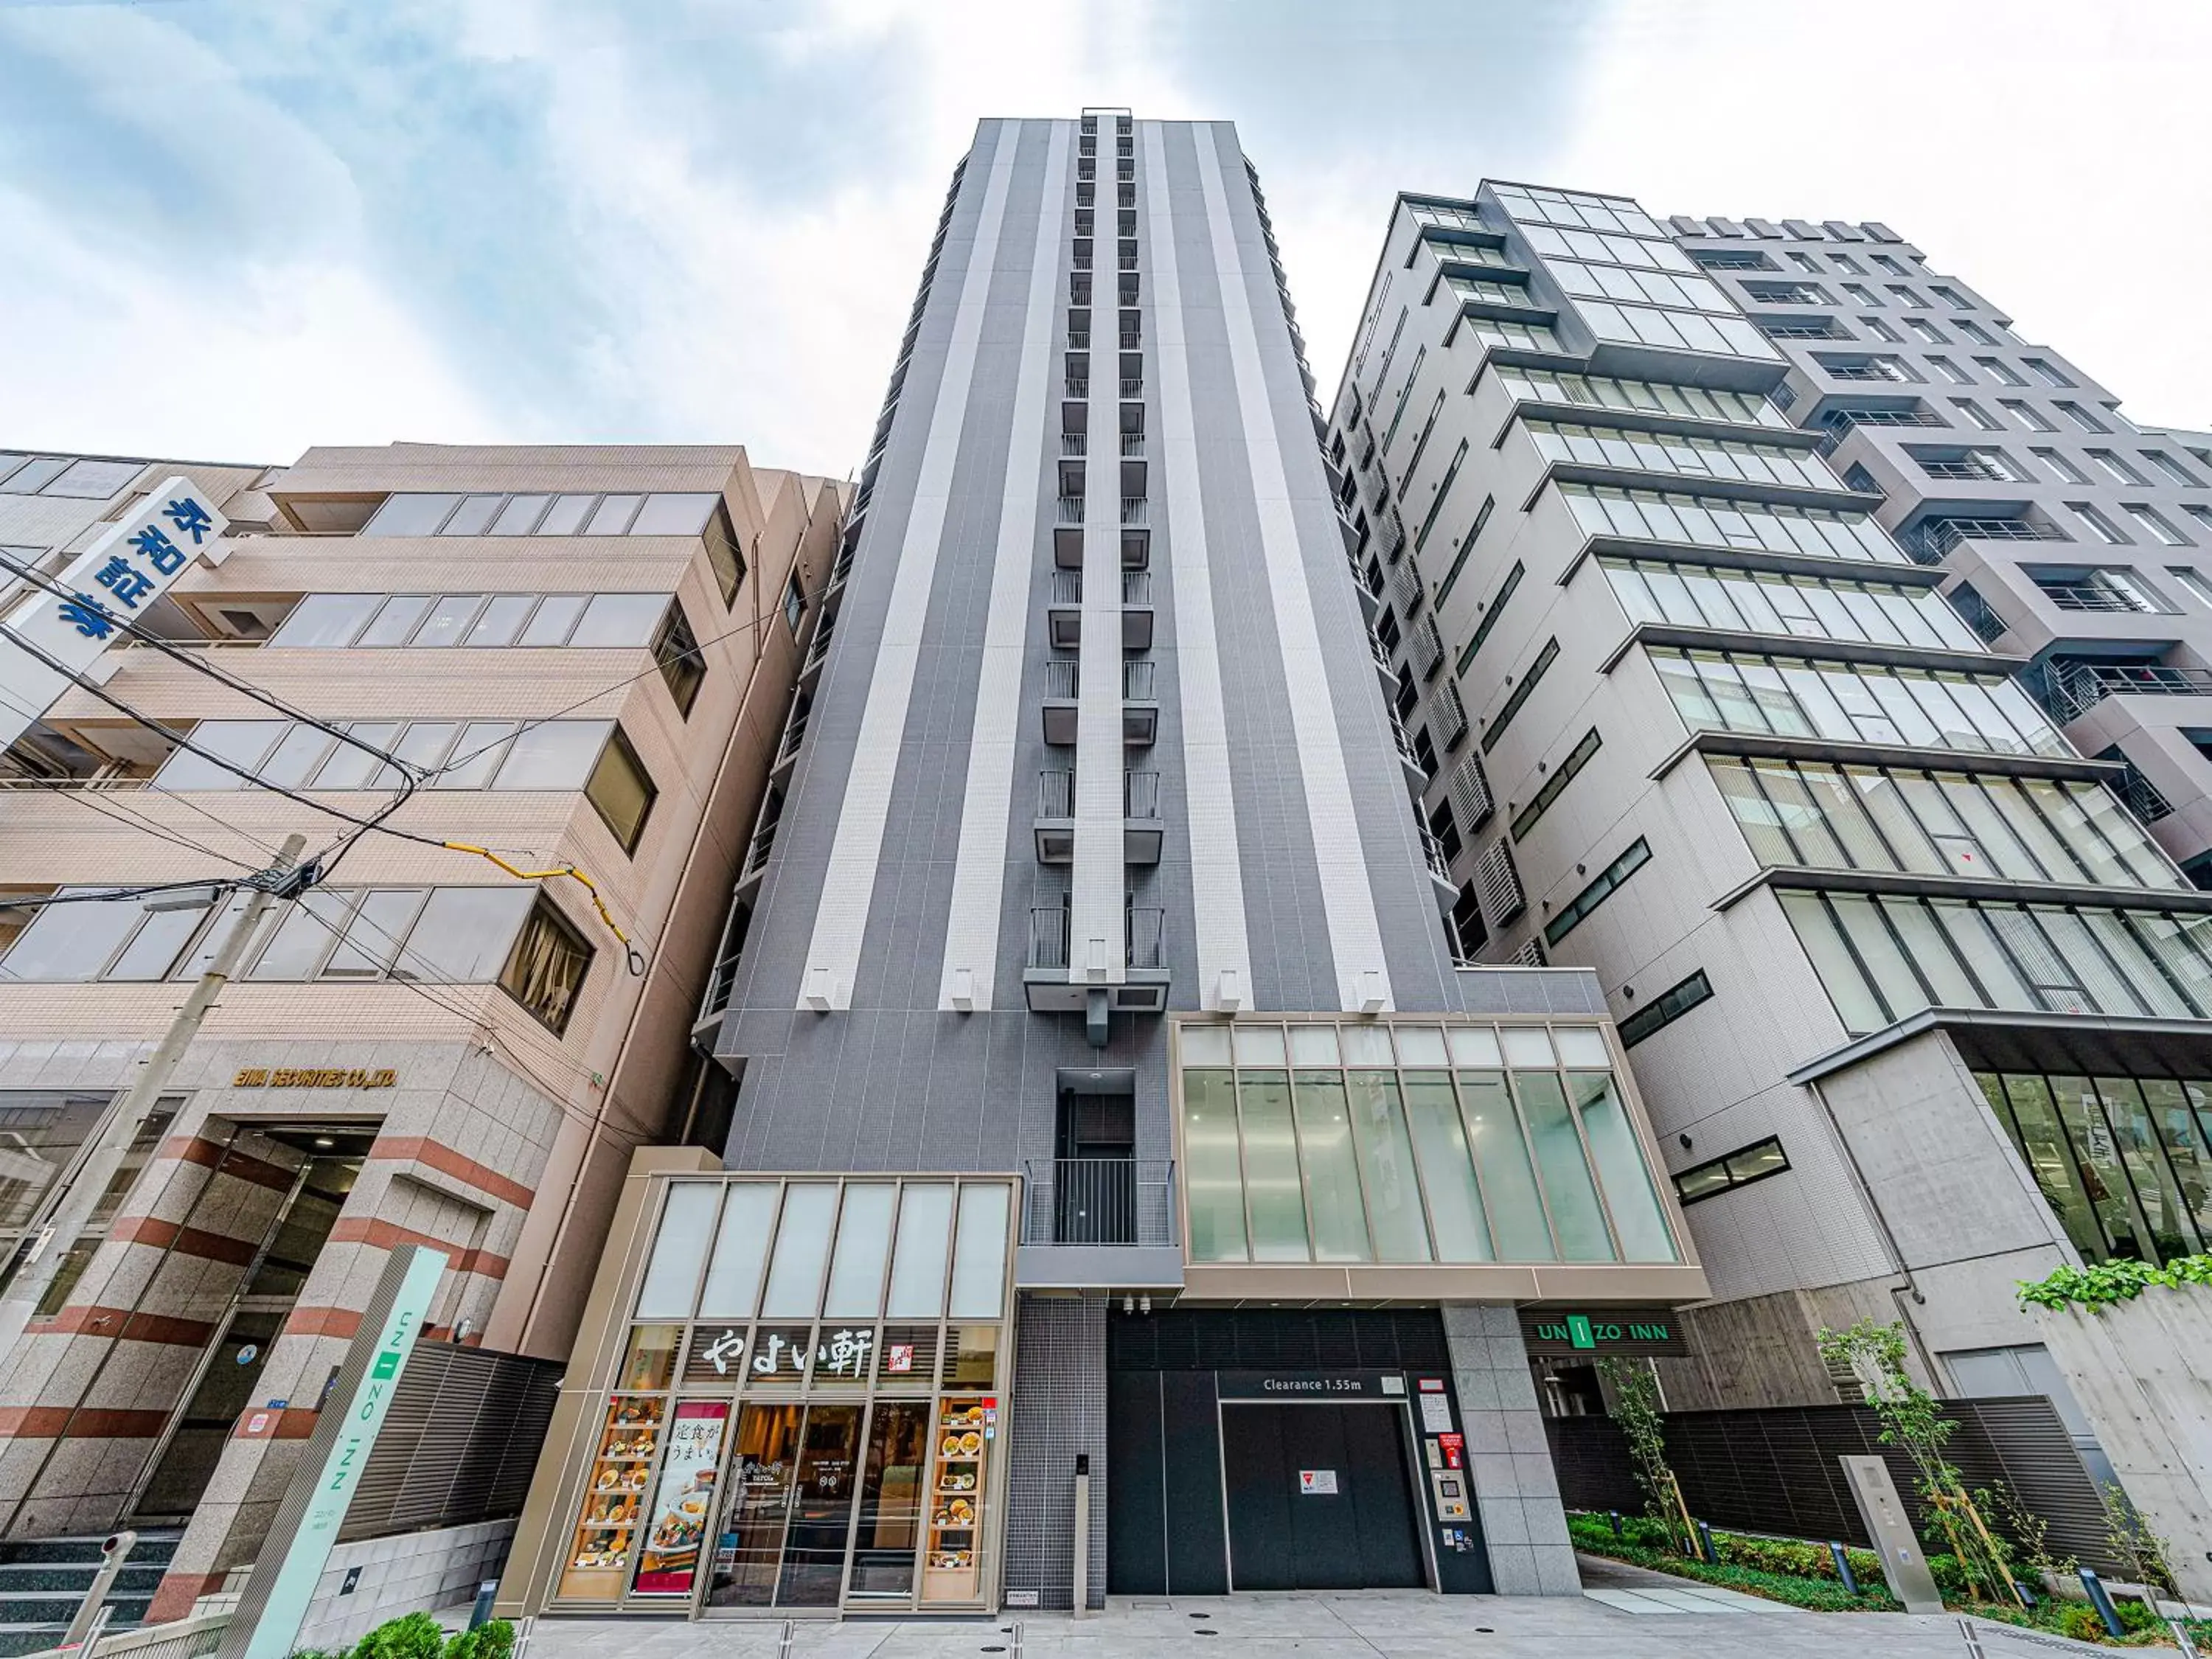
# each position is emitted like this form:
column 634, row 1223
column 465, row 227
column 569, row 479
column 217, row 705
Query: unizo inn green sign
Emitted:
column 1595, row 1332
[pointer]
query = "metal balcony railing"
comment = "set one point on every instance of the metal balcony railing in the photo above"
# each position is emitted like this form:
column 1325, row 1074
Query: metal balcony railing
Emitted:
column 1133, row 339
column 1067, row 588
column 1098, row 1200
column 1056, row 794
column 1075, row 443
column 1134, row 510
column 1077, row 387
column 1136, row 587
column 1141, row 794
column 1137, row 679
column 1132, row 445
column 1063, row 677
column 1931, row 538
column 1070, row 509
column 2089, row 596
column 2077, row 687
column 1145, row 927
column 1132, row 385
column 1079, row 339
column 1433, row 850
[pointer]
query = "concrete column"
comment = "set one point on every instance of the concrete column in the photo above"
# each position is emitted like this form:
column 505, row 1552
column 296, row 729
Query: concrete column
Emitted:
column 1517, row 1493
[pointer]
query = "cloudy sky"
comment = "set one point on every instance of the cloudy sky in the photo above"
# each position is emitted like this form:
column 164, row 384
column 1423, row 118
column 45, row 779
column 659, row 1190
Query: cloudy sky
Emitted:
column 236, row 227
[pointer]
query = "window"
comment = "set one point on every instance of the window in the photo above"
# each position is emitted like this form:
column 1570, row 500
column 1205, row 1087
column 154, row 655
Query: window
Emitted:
column 1740, row 1168
column 1880, row 330
column 1905, row 296
column 1562, row 774
column 335, row 621
column 1788, row 294
column 1670, row 516
column 1443, row 490
column 1421, row 444
column 1861, row 294
column 622, row 790
column 2060, row 467
column 1970, row 330
column 411, row 513
column 1442, row 826
column 1520, row 695
column 1950, row 371
column 1669, row 1006
column 1602, row 886
column 545, row 971
column 1642, row 449
column 1465, row 546
column 1993, row 953
column 2172, row 469
column 1794, row 697
column 1656, row 398
column 2082, row 418
column 1822, row 815
column 65, row 475
column 1974, row 412
column 2193, row 583
column 1925, row 330
column 1766, row 602
column 1405, row 392
column 556, row 755
column 1489, row 618
column 677, row 651
column 2097, row 524
column 1952, row 297
column 2027, row 416
column 1883, row 261
column 2045, row 372
column 2154, row 526
column 2114, row 467
column 1846, row 264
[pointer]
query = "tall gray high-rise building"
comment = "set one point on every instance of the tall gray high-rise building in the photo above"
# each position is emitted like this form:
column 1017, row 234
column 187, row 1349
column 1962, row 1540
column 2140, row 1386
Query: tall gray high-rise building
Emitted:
column 1086, row 1007
column 1657, row 531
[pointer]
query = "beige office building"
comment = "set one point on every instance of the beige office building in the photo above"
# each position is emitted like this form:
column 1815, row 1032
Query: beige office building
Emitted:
column 583, row 655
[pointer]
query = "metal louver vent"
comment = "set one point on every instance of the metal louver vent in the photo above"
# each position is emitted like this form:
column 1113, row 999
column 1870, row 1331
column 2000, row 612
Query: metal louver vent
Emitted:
column 1428, row 647
column 1530, row 954
column 1470, row 793
column 1448, row 715
column 1499, row 883
column 1406, row 588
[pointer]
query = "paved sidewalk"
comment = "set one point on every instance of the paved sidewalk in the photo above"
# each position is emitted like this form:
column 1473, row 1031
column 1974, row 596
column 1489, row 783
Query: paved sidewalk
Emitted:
column 1333, row 1625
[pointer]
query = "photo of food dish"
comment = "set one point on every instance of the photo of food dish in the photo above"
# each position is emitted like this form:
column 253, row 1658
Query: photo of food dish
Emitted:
column 971, row 1443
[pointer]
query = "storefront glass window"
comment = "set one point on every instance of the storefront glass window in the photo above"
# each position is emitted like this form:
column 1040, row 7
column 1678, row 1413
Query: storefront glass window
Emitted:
column 802, row 1244
column 1271, row 1165
column 925, row 1227
column 1339, row 1218
column 864, row 1244
column 733, row 1278
column 979, row 1257
column 671, row 1277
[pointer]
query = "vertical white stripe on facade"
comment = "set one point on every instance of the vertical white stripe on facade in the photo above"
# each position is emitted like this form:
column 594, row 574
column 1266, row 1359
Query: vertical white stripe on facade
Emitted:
column 978, row 873
column 1217, row 878
column 1097, row 917
column 1355, row 936
column 849, row 887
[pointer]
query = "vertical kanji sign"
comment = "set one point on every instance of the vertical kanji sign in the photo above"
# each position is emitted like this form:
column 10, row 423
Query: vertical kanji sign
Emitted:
column 113, row 581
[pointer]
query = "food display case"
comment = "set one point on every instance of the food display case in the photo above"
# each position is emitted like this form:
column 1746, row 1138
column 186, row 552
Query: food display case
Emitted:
column 614, row 1498
column 966, row 1433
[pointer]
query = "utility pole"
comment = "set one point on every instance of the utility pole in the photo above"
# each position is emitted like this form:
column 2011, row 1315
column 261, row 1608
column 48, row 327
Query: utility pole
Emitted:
column 119, row 1125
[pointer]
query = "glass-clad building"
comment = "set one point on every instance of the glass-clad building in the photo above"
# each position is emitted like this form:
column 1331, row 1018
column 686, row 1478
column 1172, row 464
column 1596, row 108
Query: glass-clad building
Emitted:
column 1697, row 701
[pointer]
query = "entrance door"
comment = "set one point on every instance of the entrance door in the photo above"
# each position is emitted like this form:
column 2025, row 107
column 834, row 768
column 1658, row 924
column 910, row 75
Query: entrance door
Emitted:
column 890, row 1532
column 203, row 1428
column 749, row 1541
column 1318, row 1499
column 822, row 1509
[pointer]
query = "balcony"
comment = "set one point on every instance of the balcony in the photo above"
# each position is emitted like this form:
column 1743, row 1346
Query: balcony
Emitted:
column 1065, row 616
column 1098, row 1200
column 2074, row 688
column 1439, row 866
column 1054, row 984
column 1931, row 539
column 1132, row 385
column 1063, row 691
column 2089, row 596
column 1132, row 445
column 1074, row 444
column 1135, row 510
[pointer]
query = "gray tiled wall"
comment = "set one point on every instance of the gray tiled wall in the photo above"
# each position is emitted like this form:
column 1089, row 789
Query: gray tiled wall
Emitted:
column 1517, row 1494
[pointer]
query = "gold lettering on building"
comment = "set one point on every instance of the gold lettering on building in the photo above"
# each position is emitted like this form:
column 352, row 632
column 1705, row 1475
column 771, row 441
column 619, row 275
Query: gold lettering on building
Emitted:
column 260, row 1076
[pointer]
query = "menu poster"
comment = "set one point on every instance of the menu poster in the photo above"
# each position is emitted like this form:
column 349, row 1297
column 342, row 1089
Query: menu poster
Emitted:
column 681, row 1502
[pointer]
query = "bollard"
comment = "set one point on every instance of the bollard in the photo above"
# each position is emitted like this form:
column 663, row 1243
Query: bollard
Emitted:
column 1615, row 1514
column 1844, row 1568
column 1973, row 1640
column 783, row 1643
column 486, row 1593
column 2100, row 1599
column 1083, row 1535
column 1018, row 1639
column 1712, row 1550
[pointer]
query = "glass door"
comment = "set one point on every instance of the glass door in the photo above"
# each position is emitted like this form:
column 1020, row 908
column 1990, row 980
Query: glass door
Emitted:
column 756, row 1510
column 890, row 1532
column 822, row 1509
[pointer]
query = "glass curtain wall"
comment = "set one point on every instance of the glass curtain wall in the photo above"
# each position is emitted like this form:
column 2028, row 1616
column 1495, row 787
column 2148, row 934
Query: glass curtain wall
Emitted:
column 1404, row 1143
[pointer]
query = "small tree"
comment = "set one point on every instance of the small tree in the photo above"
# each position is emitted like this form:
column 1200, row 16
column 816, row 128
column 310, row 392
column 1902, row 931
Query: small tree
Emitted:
column 1636, row 1408
column 2134, row 1542
column 2028, row 1531
column 1910, row 1418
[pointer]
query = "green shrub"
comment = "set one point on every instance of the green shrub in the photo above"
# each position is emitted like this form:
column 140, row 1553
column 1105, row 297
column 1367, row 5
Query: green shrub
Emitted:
column 492, row 1640
column 1822, row 1593
column 2081, row 1622
column 414, row 1636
